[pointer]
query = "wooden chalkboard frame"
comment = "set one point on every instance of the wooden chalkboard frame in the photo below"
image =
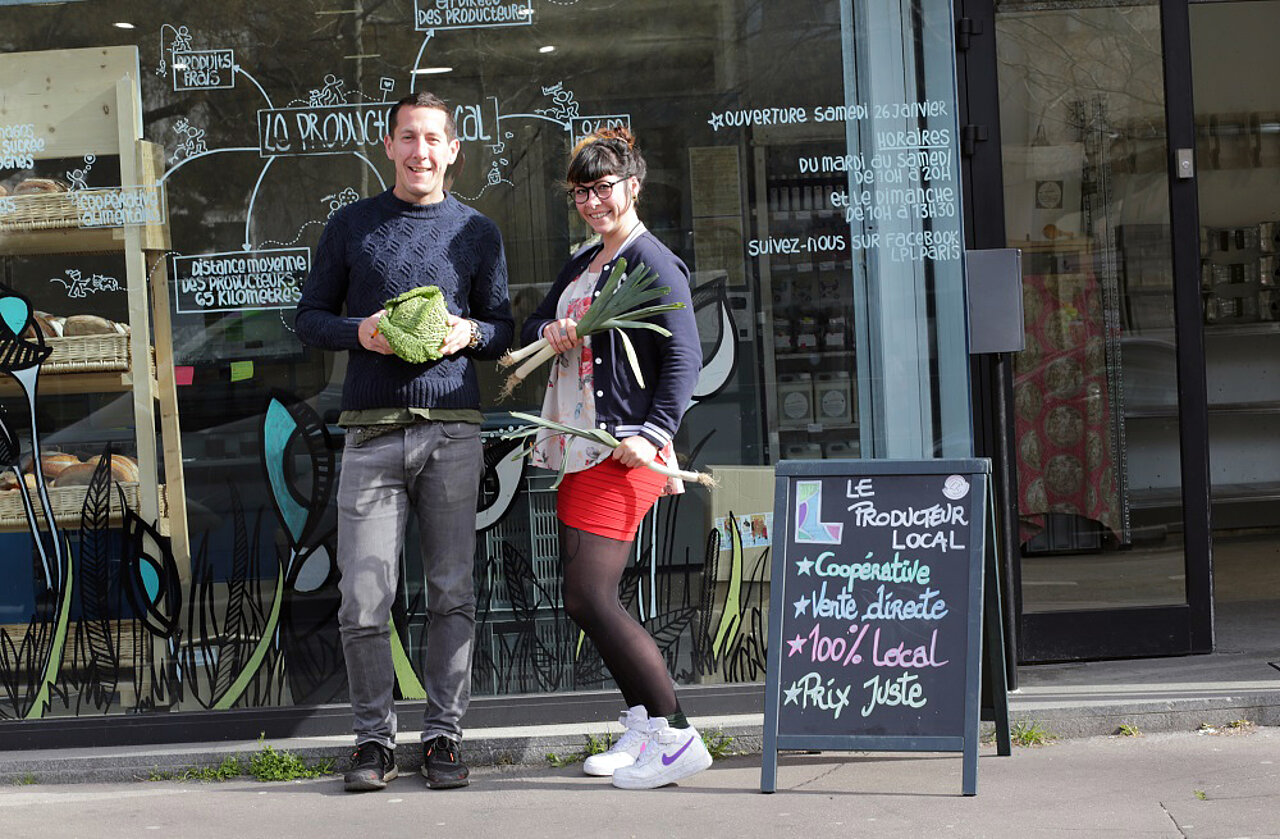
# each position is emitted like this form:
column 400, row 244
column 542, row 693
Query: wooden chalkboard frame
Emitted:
column 965, row 741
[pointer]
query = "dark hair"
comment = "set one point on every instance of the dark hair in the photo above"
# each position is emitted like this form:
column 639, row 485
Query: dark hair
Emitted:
column 423, row 100
column 609, row 151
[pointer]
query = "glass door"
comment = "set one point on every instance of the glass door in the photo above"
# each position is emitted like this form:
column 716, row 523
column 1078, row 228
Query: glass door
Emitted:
column 1111, row 565
column 1237, row 117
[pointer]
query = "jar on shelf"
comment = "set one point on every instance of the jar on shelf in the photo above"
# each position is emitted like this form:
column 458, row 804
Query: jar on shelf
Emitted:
column 807, row 334
column 839, row 449
column 1268, row 270
column 782, row 335
column 1269, row 305
column 795, row 400
column 833, row 398
column 802, row 451
column 835, row 336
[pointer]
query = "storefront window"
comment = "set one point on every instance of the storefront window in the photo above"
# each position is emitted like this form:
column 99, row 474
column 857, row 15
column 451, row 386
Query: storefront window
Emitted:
column 762, row 129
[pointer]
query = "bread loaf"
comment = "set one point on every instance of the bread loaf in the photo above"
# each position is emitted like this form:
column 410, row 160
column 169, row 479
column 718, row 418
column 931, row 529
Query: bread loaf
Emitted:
column 50, row 327
column 35, row 186
column 124, row 469
column 53, row 465
column 78, row 475
column 88, row 325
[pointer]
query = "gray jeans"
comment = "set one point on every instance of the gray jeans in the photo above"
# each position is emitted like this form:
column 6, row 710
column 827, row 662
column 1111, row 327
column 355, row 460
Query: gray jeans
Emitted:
column 432, row 469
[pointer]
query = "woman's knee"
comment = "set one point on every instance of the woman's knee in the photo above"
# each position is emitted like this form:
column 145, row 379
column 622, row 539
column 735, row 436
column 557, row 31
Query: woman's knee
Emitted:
column 577, row 605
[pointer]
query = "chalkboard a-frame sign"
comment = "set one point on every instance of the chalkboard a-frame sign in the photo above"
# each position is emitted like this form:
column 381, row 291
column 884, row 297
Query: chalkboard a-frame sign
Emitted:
column 875, row 625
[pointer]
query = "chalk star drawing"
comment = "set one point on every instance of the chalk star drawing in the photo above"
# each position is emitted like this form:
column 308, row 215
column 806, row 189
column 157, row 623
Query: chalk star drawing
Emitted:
column 793, row 695
column 797, row 645
column 802, row 606
column 803, row 566
column 716, row 122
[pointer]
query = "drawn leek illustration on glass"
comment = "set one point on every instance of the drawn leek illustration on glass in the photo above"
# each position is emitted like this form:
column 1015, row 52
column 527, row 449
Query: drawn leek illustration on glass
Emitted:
column 153, row 587
column 618, row 306
column 21, row 358
column 94, row 636
column 279, row 425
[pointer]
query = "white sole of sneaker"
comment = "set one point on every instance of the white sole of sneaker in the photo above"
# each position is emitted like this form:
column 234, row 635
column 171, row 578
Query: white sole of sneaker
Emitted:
column 370, row 784
column 595, row 772
column 662, row 778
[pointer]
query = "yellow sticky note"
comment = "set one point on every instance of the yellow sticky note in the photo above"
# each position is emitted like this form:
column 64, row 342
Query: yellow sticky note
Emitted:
column 241, row 370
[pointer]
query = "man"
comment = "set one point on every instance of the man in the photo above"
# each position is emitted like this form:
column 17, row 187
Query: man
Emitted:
column 412, row 431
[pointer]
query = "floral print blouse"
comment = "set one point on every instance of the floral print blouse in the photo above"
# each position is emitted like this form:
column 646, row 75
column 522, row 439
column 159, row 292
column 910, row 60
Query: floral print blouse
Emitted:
column 570, row 397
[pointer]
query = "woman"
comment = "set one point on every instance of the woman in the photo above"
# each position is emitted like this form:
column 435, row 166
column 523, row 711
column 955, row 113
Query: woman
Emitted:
column 605, row 493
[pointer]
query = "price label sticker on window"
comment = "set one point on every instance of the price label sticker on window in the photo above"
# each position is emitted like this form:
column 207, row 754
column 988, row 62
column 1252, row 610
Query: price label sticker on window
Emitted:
column 241, row 371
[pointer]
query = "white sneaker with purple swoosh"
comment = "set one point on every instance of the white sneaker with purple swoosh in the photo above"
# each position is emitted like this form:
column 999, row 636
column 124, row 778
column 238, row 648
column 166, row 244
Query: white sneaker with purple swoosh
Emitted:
column 628, row 747
column 670, row 755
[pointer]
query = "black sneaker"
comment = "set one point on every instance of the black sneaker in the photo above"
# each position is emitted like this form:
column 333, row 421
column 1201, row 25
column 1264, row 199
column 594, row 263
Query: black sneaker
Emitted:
column 372, row 765
column 442, row 764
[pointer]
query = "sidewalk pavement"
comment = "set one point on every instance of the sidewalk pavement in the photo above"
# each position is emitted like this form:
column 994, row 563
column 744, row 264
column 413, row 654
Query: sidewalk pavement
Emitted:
column 1239, row 681
column 1188, row 774
column 1067, row 701
column 1174, row 785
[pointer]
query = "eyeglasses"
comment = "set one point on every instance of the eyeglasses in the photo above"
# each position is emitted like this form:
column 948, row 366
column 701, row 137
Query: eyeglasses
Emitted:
column 602, row 190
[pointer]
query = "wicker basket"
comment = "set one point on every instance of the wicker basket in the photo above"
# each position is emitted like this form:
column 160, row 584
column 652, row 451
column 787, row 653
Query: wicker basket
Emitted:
column 87, row 354
column 40, row 211
column 67, row 504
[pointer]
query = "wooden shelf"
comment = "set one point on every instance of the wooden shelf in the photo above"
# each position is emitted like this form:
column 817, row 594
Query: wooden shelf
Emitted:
column 59, row 240
column 73, row 383
column 73, row 240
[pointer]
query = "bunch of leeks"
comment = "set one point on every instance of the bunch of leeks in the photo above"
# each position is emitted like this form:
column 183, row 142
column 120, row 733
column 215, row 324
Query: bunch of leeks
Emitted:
column 604, row 438
column 618, row 306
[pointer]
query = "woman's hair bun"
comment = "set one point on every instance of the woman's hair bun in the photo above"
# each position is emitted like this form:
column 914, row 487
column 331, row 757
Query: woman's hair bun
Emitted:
column 605, row 152
column 620, row 134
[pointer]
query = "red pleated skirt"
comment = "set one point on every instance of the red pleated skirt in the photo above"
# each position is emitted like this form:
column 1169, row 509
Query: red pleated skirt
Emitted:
column 608, row 499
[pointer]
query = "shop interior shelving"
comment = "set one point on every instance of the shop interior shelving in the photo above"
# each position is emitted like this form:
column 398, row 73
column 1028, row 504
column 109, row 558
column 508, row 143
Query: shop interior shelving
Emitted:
column 806, row 309
column 1244, row 395
column 87, row 102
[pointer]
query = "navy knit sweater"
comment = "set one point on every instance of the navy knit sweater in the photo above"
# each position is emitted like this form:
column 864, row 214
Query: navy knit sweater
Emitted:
column 380, row 247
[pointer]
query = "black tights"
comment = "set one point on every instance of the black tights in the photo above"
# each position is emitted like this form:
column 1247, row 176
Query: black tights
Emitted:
column 593, row 567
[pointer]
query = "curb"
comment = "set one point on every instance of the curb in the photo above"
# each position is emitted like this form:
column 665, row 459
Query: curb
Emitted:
column 1088, row 714
column 521, row 746
column 1101, row 717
